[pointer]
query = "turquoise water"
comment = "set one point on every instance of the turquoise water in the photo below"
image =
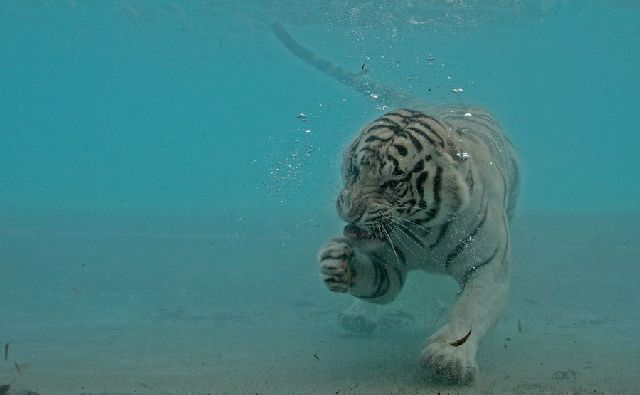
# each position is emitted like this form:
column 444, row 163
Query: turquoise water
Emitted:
column 162, row 201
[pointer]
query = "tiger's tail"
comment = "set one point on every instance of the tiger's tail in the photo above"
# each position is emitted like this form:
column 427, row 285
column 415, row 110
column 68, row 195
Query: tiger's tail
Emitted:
column 386, row 95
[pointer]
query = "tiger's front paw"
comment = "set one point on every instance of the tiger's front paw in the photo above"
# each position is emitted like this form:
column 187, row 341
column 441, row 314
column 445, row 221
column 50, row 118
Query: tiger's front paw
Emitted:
column 449, row 362
column 335, row 269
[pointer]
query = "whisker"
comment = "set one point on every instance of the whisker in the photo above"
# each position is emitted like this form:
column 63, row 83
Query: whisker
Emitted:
column 407, row 230
column 417, row 238
column 393, row 247
column 411, row 232
column 426, row 230
column 368, row 224
column 401, row 232
column 395, row 232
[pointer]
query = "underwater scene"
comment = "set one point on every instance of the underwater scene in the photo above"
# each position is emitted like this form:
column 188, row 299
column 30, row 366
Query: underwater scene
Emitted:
column 319, row 197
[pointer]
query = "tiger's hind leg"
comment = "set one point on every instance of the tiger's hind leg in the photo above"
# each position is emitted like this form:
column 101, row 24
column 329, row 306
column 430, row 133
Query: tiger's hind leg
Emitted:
column 361, row 317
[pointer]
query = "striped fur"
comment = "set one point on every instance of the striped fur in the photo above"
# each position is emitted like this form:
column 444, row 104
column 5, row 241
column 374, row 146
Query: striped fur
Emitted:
column 425, row 188
column 430, row 191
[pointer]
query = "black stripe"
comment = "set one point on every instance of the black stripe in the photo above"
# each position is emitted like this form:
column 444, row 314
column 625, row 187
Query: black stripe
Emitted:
column 407, row 177
column 383, row 285
column 434, row 120
column 369, row 150
column 374, row 137
column 414, row 141
column 397, row 114
column 431, row 129
column 396, row 165
column 381, row 282
column 470, row 181
column 404, row 192
column 474, row 268
column 402, row 150
column 376, row 272
column 410, row 234
column 460, row 247
column 390, row 184
column 423, row 134
column 394, row 128
column 443, row 231
column 437, row 181
column 420, row 180
column 390, row 121
column 411, row 203
column 393, row 159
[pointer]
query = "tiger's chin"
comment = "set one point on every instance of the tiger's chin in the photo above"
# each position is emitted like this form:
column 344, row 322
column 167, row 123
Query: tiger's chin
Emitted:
column 363, row 238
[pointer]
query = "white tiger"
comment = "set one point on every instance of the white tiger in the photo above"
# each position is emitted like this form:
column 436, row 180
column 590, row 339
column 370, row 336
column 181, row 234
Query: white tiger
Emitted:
column 428, row 190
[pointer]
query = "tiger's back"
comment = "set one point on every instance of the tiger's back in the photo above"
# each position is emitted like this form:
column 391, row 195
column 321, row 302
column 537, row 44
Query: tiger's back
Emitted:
column 480, row 129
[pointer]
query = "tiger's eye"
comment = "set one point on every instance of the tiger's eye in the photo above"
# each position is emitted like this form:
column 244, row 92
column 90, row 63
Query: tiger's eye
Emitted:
column 391, row 184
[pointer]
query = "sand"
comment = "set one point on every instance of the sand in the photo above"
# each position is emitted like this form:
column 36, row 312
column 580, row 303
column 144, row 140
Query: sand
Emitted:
column 100, row 309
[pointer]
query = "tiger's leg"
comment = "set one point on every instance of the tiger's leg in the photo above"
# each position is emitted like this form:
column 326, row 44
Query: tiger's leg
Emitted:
column 360, row 317
column 344, row 268
column 448, row 355
column 364, row 317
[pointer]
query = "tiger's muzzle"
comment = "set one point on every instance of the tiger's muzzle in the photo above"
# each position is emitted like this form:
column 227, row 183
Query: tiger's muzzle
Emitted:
column 352, row 231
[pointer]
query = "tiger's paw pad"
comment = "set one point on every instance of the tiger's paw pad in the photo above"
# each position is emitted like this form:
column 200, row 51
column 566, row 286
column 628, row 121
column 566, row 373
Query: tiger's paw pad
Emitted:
column 335, row 270
column 450, row 364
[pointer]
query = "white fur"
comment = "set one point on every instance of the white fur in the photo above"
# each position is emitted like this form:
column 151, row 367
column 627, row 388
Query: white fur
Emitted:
column 481, row 266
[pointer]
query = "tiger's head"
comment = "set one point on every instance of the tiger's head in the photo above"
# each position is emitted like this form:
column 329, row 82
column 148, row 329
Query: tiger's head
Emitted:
column 401, row 169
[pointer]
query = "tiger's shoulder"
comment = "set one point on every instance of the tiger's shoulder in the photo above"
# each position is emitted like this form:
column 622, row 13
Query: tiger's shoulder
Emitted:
column 480, row 136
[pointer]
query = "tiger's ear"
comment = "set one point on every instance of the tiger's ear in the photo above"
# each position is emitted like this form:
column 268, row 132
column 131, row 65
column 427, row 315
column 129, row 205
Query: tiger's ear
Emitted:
column 464, row 195
column 457, row 189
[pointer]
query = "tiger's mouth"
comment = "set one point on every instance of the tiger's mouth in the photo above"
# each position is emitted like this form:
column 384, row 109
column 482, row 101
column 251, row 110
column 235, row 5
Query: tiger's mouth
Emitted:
column 352, row 231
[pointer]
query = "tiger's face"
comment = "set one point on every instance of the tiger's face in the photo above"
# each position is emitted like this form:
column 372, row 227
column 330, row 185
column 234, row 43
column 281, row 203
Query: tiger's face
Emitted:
column 398, row 172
